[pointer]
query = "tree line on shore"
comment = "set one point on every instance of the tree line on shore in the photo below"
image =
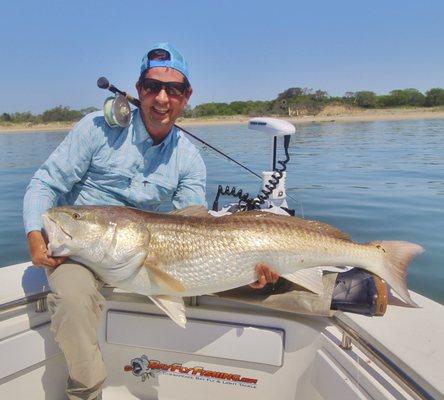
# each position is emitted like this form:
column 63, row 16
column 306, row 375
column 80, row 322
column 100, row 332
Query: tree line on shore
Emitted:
column 56, row 114
column 304, row 101
column 293, row 101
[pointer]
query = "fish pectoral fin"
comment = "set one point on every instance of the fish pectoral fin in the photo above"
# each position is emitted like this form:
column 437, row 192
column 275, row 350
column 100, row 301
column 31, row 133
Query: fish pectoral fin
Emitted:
column 162, row 278
column 192, row 211
column 173, row 307
column 309, row 278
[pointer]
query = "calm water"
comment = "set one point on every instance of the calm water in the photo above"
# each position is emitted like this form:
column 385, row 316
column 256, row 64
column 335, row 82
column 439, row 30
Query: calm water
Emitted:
column 375, row 180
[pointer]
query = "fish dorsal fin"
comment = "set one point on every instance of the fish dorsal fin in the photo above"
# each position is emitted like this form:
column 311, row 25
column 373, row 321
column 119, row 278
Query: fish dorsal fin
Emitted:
column 192, row 211
column 317, row 226
column 309, row 278
column 173, row 307
column 162, row 278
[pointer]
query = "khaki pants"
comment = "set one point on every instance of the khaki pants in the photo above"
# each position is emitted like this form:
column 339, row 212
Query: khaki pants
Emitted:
column 75, row 305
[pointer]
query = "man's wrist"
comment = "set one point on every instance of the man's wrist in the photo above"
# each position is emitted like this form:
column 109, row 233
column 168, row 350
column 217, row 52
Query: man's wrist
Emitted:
column 36, row 238
column 34, row 233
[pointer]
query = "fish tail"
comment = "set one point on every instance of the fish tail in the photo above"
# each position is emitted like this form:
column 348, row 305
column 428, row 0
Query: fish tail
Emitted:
column 396, row 259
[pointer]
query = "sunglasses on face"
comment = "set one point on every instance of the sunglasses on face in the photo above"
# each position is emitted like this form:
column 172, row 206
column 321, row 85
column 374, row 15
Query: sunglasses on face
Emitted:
column 154, row 86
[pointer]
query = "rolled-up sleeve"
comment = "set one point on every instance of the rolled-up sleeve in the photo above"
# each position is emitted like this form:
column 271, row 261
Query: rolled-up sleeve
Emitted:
column 191, row 188
column 64, row 167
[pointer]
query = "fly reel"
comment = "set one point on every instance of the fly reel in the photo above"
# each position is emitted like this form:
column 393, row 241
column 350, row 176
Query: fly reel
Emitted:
column 117, row 111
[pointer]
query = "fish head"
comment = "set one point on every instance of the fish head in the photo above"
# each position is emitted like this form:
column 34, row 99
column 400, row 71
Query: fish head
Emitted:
column 83, row 232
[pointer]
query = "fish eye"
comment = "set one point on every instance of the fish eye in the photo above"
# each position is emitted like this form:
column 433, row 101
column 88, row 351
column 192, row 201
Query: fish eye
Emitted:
column 76, row 215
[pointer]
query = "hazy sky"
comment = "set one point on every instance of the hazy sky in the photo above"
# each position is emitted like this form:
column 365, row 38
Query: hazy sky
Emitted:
column 52, row 52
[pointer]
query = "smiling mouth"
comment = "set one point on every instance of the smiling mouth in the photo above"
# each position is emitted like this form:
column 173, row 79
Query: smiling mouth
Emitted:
column 160, row 111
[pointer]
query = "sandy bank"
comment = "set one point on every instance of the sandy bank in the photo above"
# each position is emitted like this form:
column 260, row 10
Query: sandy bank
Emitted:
column 331, row 114
column 51, row 127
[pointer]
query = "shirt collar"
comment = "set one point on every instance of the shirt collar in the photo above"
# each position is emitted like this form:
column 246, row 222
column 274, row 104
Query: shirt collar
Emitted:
column 140, row 134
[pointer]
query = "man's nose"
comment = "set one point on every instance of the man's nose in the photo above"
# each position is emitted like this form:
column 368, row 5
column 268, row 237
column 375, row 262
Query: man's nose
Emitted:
column 162, row 96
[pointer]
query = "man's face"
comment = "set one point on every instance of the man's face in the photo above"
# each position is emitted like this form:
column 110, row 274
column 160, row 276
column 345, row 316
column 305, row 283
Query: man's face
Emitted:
column 159, row 110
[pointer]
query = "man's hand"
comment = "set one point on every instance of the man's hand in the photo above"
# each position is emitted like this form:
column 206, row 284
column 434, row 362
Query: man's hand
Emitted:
column 265, row 274
column 39, row 251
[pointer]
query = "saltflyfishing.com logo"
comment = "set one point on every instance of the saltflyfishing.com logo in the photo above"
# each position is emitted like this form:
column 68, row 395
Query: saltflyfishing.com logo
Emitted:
column 146, row 368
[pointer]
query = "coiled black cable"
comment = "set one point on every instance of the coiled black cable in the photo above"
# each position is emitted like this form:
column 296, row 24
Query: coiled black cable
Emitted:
column 245, row 201
column 244, row 198
column 277, row 175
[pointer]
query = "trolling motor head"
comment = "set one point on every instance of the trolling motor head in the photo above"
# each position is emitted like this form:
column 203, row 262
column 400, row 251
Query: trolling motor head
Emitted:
column 273, row 127
column 116, row 109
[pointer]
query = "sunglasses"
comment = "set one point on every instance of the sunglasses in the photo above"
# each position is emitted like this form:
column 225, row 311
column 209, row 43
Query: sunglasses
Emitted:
column 154, row 86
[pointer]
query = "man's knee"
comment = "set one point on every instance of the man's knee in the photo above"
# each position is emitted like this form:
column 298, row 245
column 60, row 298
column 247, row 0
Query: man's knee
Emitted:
column 75, row 302
column 71, row 276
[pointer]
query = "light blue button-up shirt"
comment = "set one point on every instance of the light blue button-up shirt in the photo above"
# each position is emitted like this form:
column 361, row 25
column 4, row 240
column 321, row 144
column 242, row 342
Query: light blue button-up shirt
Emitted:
column 100, row 165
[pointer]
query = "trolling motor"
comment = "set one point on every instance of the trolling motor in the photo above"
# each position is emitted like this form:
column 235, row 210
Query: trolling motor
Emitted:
column 273, row 182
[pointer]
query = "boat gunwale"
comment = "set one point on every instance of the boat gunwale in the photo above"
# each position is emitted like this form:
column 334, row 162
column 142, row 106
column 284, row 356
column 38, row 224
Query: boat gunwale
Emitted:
column 23, row 301
column 382, row 361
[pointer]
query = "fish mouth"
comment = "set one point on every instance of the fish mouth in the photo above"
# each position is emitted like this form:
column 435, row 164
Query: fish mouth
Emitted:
column 53, row 223
column 57, row 236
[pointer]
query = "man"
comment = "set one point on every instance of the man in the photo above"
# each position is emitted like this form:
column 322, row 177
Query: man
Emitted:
column 143, row 165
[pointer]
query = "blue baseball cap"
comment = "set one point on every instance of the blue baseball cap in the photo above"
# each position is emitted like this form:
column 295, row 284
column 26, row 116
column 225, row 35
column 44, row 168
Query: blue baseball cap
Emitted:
column 165, row 55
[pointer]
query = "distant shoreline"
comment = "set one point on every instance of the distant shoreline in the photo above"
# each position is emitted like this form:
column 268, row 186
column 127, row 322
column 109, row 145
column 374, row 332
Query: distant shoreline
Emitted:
column 328, row 115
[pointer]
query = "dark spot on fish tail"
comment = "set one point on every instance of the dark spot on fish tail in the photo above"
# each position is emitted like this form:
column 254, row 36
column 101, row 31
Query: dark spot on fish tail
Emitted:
column 302, row 260
column 378, row 246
